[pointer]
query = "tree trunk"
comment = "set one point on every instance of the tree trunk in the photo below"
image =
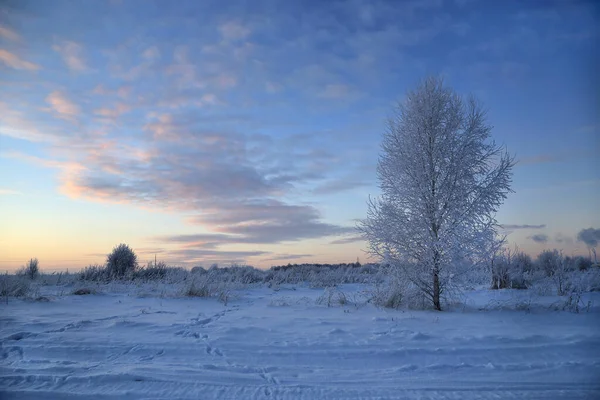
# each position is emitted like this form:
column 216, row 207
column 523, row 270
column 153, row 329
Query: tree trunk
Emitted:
column 436, row 291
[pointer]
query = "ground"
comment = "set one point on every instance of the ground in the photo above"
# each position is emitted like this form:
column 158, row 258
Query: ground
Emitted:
column 281, row 344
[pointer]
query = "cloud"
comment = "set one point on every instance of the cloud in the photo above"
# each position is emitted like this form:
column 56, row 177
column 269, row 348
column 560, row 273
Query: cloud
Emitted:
column 539, row 238
column 285, row 257
column 71, row 53
column 515, row 227
column 9, row 192
column 267, row 222
column 121, row 91
column 336, row 91
column 272, row 87
column 151, row 53
column 589, row 236
column 337, row 186
column 201, row 255
column 113, row 113
column 17, row 124
column 557, row 157
column 13, row 61
column 9, row 34
column 234, row 30
column 228, row 182
column 63, row 106
column 351, row 239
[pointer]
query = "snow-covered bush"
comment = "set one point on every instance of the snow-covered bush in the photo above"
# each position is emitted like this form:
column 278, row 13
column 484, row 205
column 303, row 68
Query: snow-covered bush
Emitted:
column 95, row 273
column 511, row 270
column 332, row 296
column 210, row 284
column 154, row 272
column 31, row 270
column 396, row 292
column 549, row 261
column 122, row 261
column 323, row 275
column 14, row 286
column 580, row 263
column 161, row 272
column 198, row 270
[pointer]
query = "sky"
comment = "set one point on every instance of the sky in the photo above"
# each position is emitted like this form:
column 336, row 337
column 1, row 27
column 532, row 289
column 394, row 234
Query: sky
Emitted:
column 249, row 131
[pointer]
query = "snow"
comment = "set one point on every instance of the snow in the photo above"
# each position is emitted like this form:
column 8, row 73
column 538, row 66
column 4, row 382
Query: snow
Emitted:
column 283, row 345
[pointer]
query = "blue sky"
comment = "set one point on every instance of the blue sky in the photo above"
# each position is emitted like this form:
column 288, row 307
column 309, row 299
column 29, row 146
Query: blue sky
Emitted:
column 249, row 132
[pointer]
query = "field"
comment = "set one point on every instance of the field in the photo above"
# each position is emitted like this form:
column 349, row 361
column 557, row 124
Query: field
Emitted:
column 294, row 342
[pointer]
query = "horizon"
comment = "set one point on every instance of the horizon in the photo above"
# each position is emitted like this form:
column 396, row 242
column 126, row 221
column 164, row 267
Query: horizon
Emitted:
column 211, row 132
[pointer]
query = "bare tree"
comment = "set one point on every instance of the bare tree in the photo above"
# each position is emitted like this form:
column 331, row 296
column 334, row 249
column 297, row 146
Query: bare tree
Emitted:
column 442, row 181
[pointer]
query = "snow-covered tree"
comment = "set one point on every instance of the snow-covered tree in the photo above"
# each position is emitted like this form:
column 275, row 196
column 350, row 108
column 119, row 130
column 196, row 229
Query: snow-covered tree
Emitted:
column 442, row 180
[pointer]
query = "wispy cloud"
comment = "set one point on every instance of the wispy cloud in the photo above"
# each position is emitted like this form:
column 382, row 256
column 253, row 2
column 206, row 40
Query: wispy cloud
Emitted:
column 202, row 255
column 337, row 186
column 113, row 113
column 234, row 30
column 557, row 157
column 62, row 105
column 336, row 91
column 9, row 34
column 151, row 53
column 526, row 226
column 286, row 257
column 351, row 239
column 13, row 61
column 9, row 192
column 72, row 54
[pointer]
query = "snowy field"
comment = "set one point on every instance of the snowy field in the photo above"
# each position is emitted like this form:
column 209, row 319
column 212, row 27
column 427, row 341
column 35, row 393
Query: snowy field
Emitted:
column 266, row 344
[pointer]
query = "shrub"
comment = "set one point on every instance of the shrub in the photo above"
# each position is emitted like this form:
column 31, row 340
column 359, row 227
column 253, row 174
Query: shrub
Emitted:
column 14, row 286
column 31, row 270
column 121, row 262
column 198, row 270
column 198, row 290
column 549, row 261
column 582, row 263
column 332, row 296
column 156, row 271
column 94, row 273
column 511, row 269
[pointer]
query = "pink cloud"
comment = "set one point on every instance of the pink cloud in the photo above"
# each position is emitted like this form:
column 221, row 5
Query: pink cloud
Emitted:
column 9, row 34
column 63, row 106
column 13, row 61
column 116, row 112
column 71, row 53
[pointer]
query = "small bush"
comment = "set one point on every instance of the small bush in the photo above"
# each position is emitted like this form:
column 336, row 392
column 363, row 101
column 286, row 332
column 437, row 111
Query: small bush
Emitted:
column 511, row 269
column 210, row 285
column 122, row 261
column 14, row 286
column 198, row 290
column 198, row 270
column 31, row 270
column 152, row 272
column 95, row 273
column 332, row 296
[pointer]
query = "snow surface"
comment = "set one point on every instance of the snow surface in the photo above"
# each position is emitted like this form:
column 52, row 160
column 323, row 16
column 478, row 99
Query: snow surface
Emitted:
column 283, row 345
